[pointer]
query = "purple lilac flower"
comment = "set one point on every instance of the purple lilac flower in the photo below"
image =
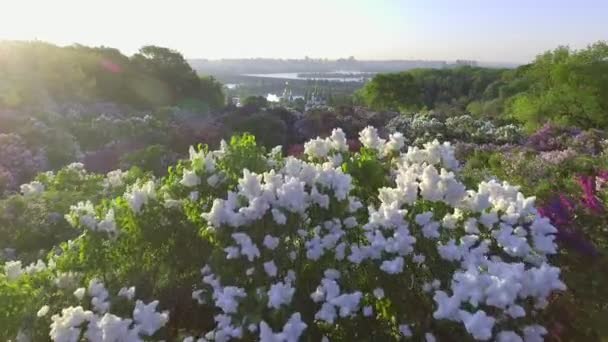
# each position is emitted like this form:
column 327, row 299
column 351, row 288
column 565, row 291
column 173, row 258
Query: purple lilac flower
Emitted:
column 551, row 137
column 560, row 210
column 557, row 157
column 589, row 199
column 19, row 164
column 589, row 142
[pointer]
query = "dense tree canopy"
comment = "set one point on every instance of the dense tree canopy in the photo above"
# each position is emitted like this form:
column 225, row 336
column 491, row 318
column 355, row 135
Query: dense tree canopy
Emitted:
column 566, row 86
column 391, row 92
column 563, row 86
column 41, row 74
column 429, row 88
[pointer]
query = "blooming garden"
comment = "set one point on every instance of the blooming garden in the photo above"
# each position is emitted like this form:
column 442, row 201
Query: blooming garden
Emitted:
column 381, row 242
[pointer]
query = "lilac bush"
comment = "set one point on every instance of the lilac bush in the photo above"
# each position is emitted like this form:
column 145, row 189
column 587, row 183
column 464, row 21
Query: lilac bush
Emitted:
column 288, row 249
column 17, row 162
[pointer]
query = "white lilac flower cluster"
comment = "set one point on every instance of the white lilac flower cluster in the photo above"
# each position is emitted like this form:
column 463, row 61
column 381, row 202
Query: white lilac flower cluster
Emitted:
column 83, row 215
column 491, row 241
column 291, row 190
column 33, row 188
column 202, row 164
column 14, row 269
column 114, row 179
column 140, row 194
column 98, row 324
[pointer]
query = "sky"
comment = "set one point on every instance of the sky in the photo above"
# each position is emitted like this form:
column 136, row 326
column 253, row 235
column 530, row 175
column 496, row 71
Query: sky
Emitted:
column 483, row 30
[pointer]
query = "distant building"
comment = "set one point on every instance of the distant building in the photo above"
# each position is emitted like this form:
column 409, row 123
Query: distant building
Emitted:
column 236, row 101
column 465, row 62
column 287, row 96
column 315, row 100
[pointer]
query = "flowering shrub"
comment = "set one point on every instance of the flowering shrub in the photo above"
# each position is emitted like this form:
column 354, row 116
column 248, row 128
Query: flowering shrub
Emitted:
column 242, row 244
column 32, row 222
column 569, row 188
column 421, row 128
column 551, row 137
column 17, row 162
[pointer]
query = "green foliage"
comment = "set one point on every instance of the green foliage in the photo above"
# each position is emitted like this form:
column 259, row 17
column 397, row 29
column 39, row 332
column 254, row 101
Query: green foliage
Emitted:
column 566, row 87
column 446, row 89
column 254, row 103
column 211, row 92
column 242, row 153
column 368, row 172
column 563, row 86
column 391, row 92
column 39, row 74
column 16, row 303
column 153, row 158
column 269, row 129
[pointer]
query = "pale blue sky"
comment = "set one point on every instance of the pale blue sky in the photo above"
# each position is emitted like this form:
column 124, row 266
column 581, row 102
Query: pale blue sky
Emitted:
column 486, row 30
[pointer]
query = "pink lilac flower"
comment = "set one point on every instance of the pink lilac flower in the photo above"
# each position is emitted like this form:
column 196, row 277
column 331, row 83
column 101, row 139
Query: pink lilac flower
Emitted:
column 590, row 199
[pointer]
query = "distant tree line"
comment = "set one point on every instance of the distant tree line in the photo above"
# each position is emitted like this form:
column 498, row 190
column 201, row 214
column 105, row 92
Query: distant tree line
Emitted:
column 564, row 86
column 38, row 74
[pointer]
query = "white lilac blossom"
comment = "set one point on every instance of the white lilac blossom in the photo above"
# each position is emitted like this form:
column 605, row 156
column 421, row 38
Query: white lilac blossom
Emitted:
column 492, row 240
column 508, row 336
column 31, row 189
column 99, row 326
column 369, row 138
column 392, row 266
column 108, row 223
column 79, row 293
column 405, row 330
column 292, row 330
column 204, row 162
column 43, row 311
column 114, row 179
column 534, row 333
column 479, row 325
column 378, row 293
column 190, row 179
column 77, row 166
column 317, row 148
column 247, row 247
column 270, row 268
column 395, row 143
column 279, row 294
column 99, row 296
column 146, row 317
column 14, row 269
column 83, row 213
column 139, row 195
column 271, row 242
column 321, row 148
column 127, row 293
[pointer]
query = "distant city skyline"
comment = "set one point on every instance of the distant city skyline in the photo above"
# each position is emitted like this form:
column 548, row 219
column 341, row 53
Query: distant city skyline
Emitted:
column 513, row 31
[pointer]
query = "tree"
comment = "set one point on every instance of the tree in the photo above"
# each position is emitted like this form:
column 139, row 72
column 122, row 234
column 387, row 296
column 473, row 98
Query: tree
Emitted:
column 253, row 104
column 391, row 92
column 211, row 92
column 268, row 129
column 566, row 87
column 176, row 80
